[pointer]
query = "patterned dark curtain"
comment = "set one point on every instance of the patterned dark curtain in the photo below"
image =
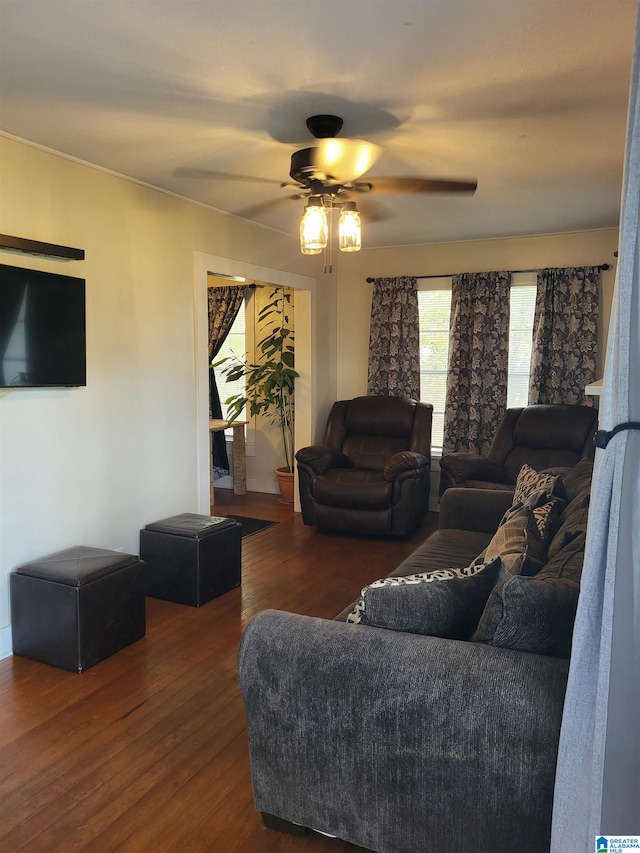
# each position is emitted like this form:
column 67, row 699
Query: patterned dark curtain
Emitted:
column 394, row 339
column 224, row 304
column 565, row 335
column 476, row 397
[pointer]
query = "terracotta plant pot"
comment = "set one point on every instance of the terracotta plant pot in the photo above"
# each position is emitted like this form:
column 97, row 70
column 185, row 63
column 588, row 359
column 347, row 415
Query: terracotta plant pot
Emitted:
column 285, row 483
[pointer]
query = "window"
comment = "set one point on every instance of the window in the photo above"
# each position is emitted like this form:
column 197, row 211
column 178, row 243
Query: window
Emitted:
column 235, row 345
column 522, row 307
column 434, row 306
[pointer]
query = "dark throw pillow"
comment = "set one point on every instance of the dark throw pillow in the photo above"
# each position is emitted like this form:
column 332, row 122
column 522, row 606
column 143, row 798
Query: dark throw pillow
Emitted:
column 443, row 603
column 536, row 614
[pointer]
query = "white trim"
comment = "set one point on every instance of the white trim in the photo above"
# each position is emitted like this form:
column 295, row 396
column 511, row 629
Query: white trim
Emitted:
column 305, row 363
column 6, row 642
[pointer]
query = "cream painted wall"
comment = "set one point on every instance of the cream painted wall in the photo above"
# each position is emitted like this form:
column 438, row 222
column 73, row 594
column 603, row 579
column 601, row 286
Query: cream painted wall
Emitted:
column 93, row 465
column 524, row 253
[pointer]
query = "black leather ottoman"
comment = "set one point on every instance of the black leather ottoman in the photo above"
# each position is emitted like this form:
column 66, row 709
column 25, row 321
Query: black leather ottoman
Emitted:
column 77, row 607
column 191, row 559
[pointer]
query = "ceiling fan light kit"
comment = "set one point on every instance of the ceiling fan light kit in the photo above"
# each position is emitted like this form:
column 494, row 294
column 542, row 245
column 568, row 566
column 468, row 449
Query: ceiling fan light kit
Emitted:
column 349, row 231
column 329, row 171
column 314, row 230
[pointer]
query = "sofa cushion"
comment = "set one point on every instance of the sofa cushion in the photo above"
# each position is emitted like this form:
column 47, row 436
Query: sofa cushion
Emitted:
column 536, row 614
column 573, row 520
column 442, row 603
column 442, row 550
column 578, row 481
column 573, row 523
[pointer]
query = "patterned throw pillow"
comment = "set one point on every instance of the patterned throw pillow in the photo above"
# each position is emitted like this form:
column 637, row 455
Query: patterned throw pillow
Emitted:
column 546, row 512
column 547, row 518
column 442, row 603
column 531, row 482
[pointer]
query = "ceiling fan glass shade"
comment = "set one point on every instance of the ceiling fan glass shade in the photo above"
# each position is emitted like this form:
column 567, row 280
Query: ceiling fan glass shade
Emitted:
column 343, row 160
column 349, row 231
column 314, row 230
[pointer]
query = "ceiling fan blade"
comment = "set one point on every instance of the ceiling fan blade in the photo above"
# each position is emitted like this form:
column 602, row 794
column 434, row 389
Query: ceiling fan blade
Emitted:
column 388, row 186
column 210, row 175
column 343, row 160
column 371, row 210
column 265, row 206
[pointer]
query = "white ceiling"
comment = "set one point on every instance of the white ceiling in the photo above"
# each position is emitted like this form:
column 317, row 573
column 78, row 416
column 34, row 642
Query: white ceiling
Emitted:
column 527, row 96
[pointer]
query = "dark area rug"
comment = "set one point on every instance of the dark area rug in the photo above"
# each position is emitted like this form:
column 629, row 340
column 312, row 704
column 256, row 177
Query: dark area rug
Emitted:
column 251, row 525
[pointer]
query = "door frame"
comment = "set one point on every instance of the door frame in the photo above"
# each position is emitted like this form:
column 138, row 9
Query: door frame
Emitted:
column 305, row 316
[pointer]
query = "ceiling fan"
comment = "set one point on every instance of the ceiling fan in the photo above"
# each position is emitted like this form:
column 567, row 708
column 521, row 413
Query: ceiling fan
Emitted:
column 329, row 175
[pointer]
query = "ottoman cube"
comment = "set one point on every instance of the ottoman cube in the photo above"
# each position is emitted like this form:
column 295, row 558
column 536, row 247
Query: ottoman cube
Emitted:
column 190, row 558
column 77, row 607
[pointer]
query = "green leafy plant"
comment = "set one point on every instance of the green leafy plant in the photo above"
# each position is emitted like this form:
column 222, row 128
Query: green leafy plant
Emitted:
column 270, row 381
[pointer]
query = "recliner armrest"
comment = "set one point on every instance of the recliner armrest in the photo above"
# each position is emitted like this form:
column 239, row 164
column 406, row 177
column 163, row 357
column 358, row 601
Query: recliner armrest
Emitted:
column 320, row 458
column 461, row 466
column 405, row 460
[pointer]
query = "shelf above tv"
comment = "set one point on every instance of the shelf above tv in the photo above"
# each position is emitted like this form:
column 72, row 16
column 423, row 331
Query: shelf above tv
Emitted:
column 35, row 247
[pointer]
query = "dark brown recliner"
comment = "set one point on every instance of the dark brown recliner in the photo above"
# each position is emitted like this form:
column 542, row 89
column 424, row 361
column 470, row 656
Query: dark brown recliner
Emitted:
column 543, row 436
column 371, row 474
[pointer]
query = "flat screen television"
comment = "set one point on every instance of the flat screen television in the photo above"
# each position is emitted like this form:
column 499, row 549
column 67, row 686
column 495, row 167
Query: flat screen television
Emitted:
column 42, row 329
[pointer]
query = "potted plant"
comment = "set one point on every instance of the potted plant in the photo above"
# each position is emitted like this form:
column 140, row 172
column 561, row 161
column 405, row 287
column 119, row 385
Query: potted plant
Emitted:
column 269, row 382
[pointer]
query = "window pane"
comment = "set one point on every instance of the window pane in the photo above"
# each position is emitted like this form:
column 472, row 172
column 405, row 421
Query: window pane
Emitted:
column 234, row 345
column 434, row 307
column 522, row 306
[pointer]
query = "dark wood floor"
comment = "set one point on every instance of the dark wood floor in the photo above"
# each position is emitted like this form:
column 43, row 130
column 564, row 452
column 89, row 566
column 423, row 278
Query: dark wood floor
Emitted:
column 147, row 751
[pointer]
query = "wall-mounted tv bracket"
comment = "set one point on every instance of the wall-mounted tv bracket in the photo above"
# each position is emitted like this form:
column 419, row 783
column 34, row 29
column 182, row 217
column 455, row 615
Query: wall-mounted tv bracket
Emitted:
column 35, row 247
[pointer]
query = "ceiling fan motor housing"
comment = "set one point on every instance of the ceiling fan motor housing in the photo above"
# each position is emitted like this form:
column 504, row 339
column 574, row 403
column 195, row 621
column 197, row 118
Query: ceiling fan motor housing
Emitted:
column 304, row 168
column 306, row 165
column 324, row 126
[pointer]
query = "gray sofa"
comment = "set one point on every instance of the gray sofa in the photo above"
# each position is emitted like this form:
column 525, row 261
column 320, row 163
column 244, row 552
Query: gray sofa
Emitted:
column 403, row 742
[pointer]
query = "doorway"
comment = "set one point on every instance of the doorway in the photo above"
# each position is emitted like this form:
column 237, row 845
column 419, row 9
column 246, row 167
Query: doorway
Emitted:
column 305, row 324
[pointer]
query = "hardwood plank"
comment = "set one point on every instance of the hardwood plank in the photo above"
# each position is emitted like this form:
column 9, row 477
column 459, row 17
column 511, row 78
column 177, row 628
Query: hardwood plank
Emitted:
column 147, row 750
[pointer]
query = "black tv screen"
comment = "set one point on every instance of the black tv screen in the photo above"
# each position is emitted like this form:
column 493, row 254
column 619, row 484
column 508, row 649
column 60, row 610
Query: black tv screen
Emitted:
column 42, row 329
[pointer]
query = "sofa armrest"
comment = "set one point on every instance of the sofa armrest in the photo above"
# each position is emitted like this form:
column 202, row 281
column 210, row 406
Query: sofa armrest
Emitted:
column 460, row 466
column 320, row 458
column 480, row 510
column 406, row 460
column 395, row 741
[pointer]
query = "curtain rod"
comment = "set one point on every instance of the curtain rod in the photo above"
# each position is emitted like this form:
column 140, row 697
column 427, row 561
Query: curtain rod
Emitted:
column 370, row 280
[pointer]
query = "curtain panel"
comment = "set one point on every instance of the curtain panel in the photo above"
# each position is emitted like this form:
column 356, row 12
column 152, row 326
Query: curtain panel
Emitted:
column 565, row 335
column 223, row 304
column 598, row 772
column 476, row 396
column 394, row 339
